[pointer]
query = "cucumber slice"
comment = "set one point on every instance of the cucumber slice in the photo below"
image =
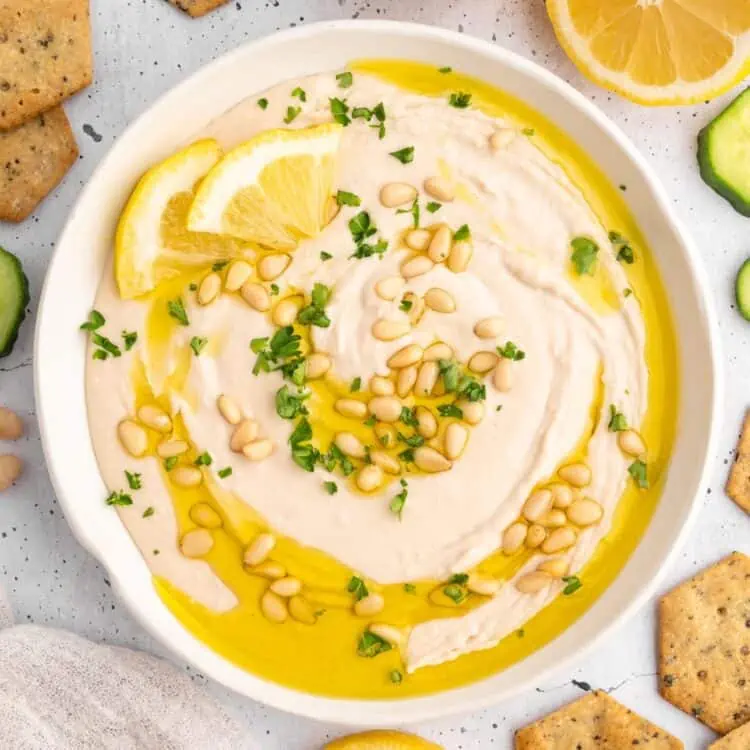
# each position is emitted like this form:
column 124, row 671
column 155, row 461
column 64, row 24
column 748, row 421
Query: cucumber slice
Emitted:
column 14, row 296
column 742, row 289
column 724, row 153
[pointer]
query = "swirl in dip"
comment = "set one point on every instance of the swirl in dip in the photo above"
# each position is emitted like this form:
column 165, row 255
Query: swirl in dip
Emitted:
column 450, row 428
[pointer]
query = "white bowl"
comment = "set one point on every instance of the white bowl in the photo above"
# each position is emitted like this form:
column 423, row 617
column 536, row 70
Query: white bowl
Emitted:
column 79, row 259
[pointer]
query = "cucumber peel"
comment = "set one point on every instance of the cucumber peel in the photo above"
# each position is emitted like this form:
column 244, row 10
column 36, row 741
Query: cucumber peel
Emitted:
column 742, row 289
column 14, row 296
column 724, row 153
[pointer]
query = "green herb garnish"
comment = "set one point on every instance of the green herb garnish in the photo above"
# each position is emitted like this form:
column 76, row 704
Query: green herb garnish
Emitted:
column 446, row 69
column 176, row 310
column 204, row 459
column 330, row 487
column 511, row 351
column 405, row 305
column 370, row 645
column 362, row 228
column 96, row 320
column 620, row 243
column 573, row 583
column 584, row 255
column 434, row 206
column 314, row 313
column 225, row 472
column 170, row 463
column 263, row 102
column 119, row 498
column 357, row 587
column 396, row 506
column 410, row 588
column 617, row 421
column 404, row 155
column 345, row 79
column 340, row 111
column 129, row 338
column 325, row 256
column 300, row 94
column 345, row 198
column 148, row 512
column 291, row 114
column 460, row 100
column 450, row 410
column 462, row 233
column 638, row 471
column 290, row 405
column 134, row 480
column 455, row 592
column 395, row 677
column 198, row 344
column 356, row 384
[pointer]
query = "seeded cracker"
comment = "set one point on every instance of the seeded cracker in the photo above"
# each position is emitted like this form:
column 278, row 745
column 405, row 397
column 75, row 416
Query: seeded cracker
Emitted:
column 738, row 484
column 592, row 722
column 33, row 159
column 739, row 739
column 704, row 645
column 45, row 56
column 197, row 8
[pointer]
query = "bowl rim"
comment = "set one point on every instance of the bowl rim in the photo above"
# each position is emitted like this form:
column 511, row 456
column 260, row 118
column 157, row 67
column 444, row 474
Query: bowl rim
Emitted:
column 357, row 711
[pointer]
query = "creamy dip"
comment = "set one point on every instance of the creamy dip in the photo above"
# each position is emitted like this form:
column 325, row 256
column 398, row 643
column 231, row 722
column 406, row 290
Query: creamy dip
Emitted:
column 583, row 338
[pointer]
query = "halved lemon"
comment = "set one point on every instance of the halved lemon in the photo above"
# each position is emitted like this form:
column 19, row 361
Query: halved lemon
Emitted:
column 152, row 242
column 273, row 189
column 657, row 51
column 381, row 739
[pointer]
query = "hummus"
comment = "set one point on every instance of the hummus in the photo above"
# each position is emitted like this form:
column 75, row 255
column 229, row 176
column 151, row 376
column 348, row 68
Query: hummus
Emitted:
column 575, row 388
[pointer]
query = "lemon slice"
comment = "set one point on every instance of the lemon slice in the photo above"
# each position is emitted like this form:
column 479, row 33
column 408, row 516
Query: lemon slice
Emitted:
column 381, row 739
column 657, row 51
column 272, row 190
column 152, row 241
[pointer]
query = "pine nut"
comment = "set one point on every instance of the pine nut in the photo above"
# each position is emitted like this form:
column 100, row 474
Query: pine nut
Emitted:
column 196, row 543
column 562, row 495
column 396, row 194
column 259, row 549
column 133, row 437
column 258, row 450
column 256, row 295
column 429, row 460
column 533, row 583
column 537, row 504
column 405, row 380
column 437, row 351
column 482, row 362
column 286, row 587
column 559, row 540
column 416, row 266
column 514, row 537
column 386, row 462
column 483, row 586
column 386, row 434
column 427, row 425
column 350, row 445
column 349, row 407
column 270, row 267
column 418, row 239
column 301, row 610
column 10, row 470
column 455, row 439
column 390, row 330
column 317, row 365
column 426, row 379
column 489, row 328
column 390, row 633
column 370, row 605
column 245, row 432
column 228, row 409
column 557, row 568
column 440, row 300
column 381, row 386
column 473, row 411
column 171, row 448
column 238, row 273
column 11, row 426
column 285, row 313
column 460, row 256
column 389, row 288
column 273, row 607
column 553, row 519
column 502, row 377
column 440, row 245
column 631, row 442
column 155, row 418
column 332, row 209
column 385, row 408
column 369, row 477
column 535, row 536
column 579, row 475
column 501, row 138
column 585, row 512
column 406, row 357
column 269, row 569
column 416, row 307
column 209, row 289
column 440, row 188
column 204, row 515
column 186, row 476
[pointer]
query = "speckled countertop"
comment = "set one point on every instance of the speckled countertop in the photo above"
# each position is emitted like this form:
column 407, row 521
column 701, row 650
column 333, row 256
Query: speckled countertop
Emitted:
column 144, row 47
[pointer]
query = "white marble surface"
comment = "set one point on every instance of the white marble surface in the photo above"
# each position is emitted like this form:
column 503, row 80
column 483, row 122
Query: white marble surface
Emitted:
column 143, row 47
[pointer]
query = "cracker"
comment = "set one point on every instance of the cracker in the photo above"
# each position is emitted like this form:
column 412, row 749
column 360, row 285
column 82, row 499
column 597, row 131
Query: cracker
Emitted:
column 197, row 8
column 738, row 484
column 45, row 56
column 739, row 739
column 595, row 721
column 704, row 645
column 33, row 160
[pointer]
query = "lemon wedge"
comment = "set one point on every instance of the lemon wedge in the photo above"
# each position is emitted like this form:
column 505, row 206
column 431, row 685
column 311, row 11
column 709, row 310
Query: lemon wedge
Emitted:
column 152, row 242
column 657, row 51
column 272, row 189
column 381, row 739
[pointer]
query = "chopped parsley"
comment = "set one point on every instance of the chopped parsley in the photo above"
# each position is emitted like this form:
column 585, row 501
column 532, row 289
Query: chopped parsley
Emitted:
column 119, row 498
column 96, row 320
column 409, row 417
column 340, row 111
column 584, row 255
column 290, row 405
column 345, row 79
column 263, row 102
column 370, row 645
column 303, row 454
column 404, row 155
column 274, row 289
column 356, row 384
column 450, row 372
column 129, row 338
column 170, row 463
column 414, row 211
column 336, row 456
column 225, row 472
column 464, row 386
column 106, row 347
column 410, row 588
column 362, row 228
column 325, row 256
column 627, row 292
column 291, row 113
column 219, row 265
column 455, row 592
column 134, row 480
column 204, row 459
column 528, row 131
column 176, row 310
column 301, row 94
column 148, row 512
column 280, row 352
column 462, row 233
column 357, row 587
column 460, row 578
column 396, row 506
column 572, row 584
column 405, row 305
column 345, row 198
column 511, row 351
column 198, row 344
column 314, row 314
column 370, row 421
column 446, row 69
column 396, row 677
column 378, row 112
column 330, row 487
column 617, row 421
column 450, row 410
column 434, row 206
column 621, row 243
column 460, row 99
column 638, row 472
